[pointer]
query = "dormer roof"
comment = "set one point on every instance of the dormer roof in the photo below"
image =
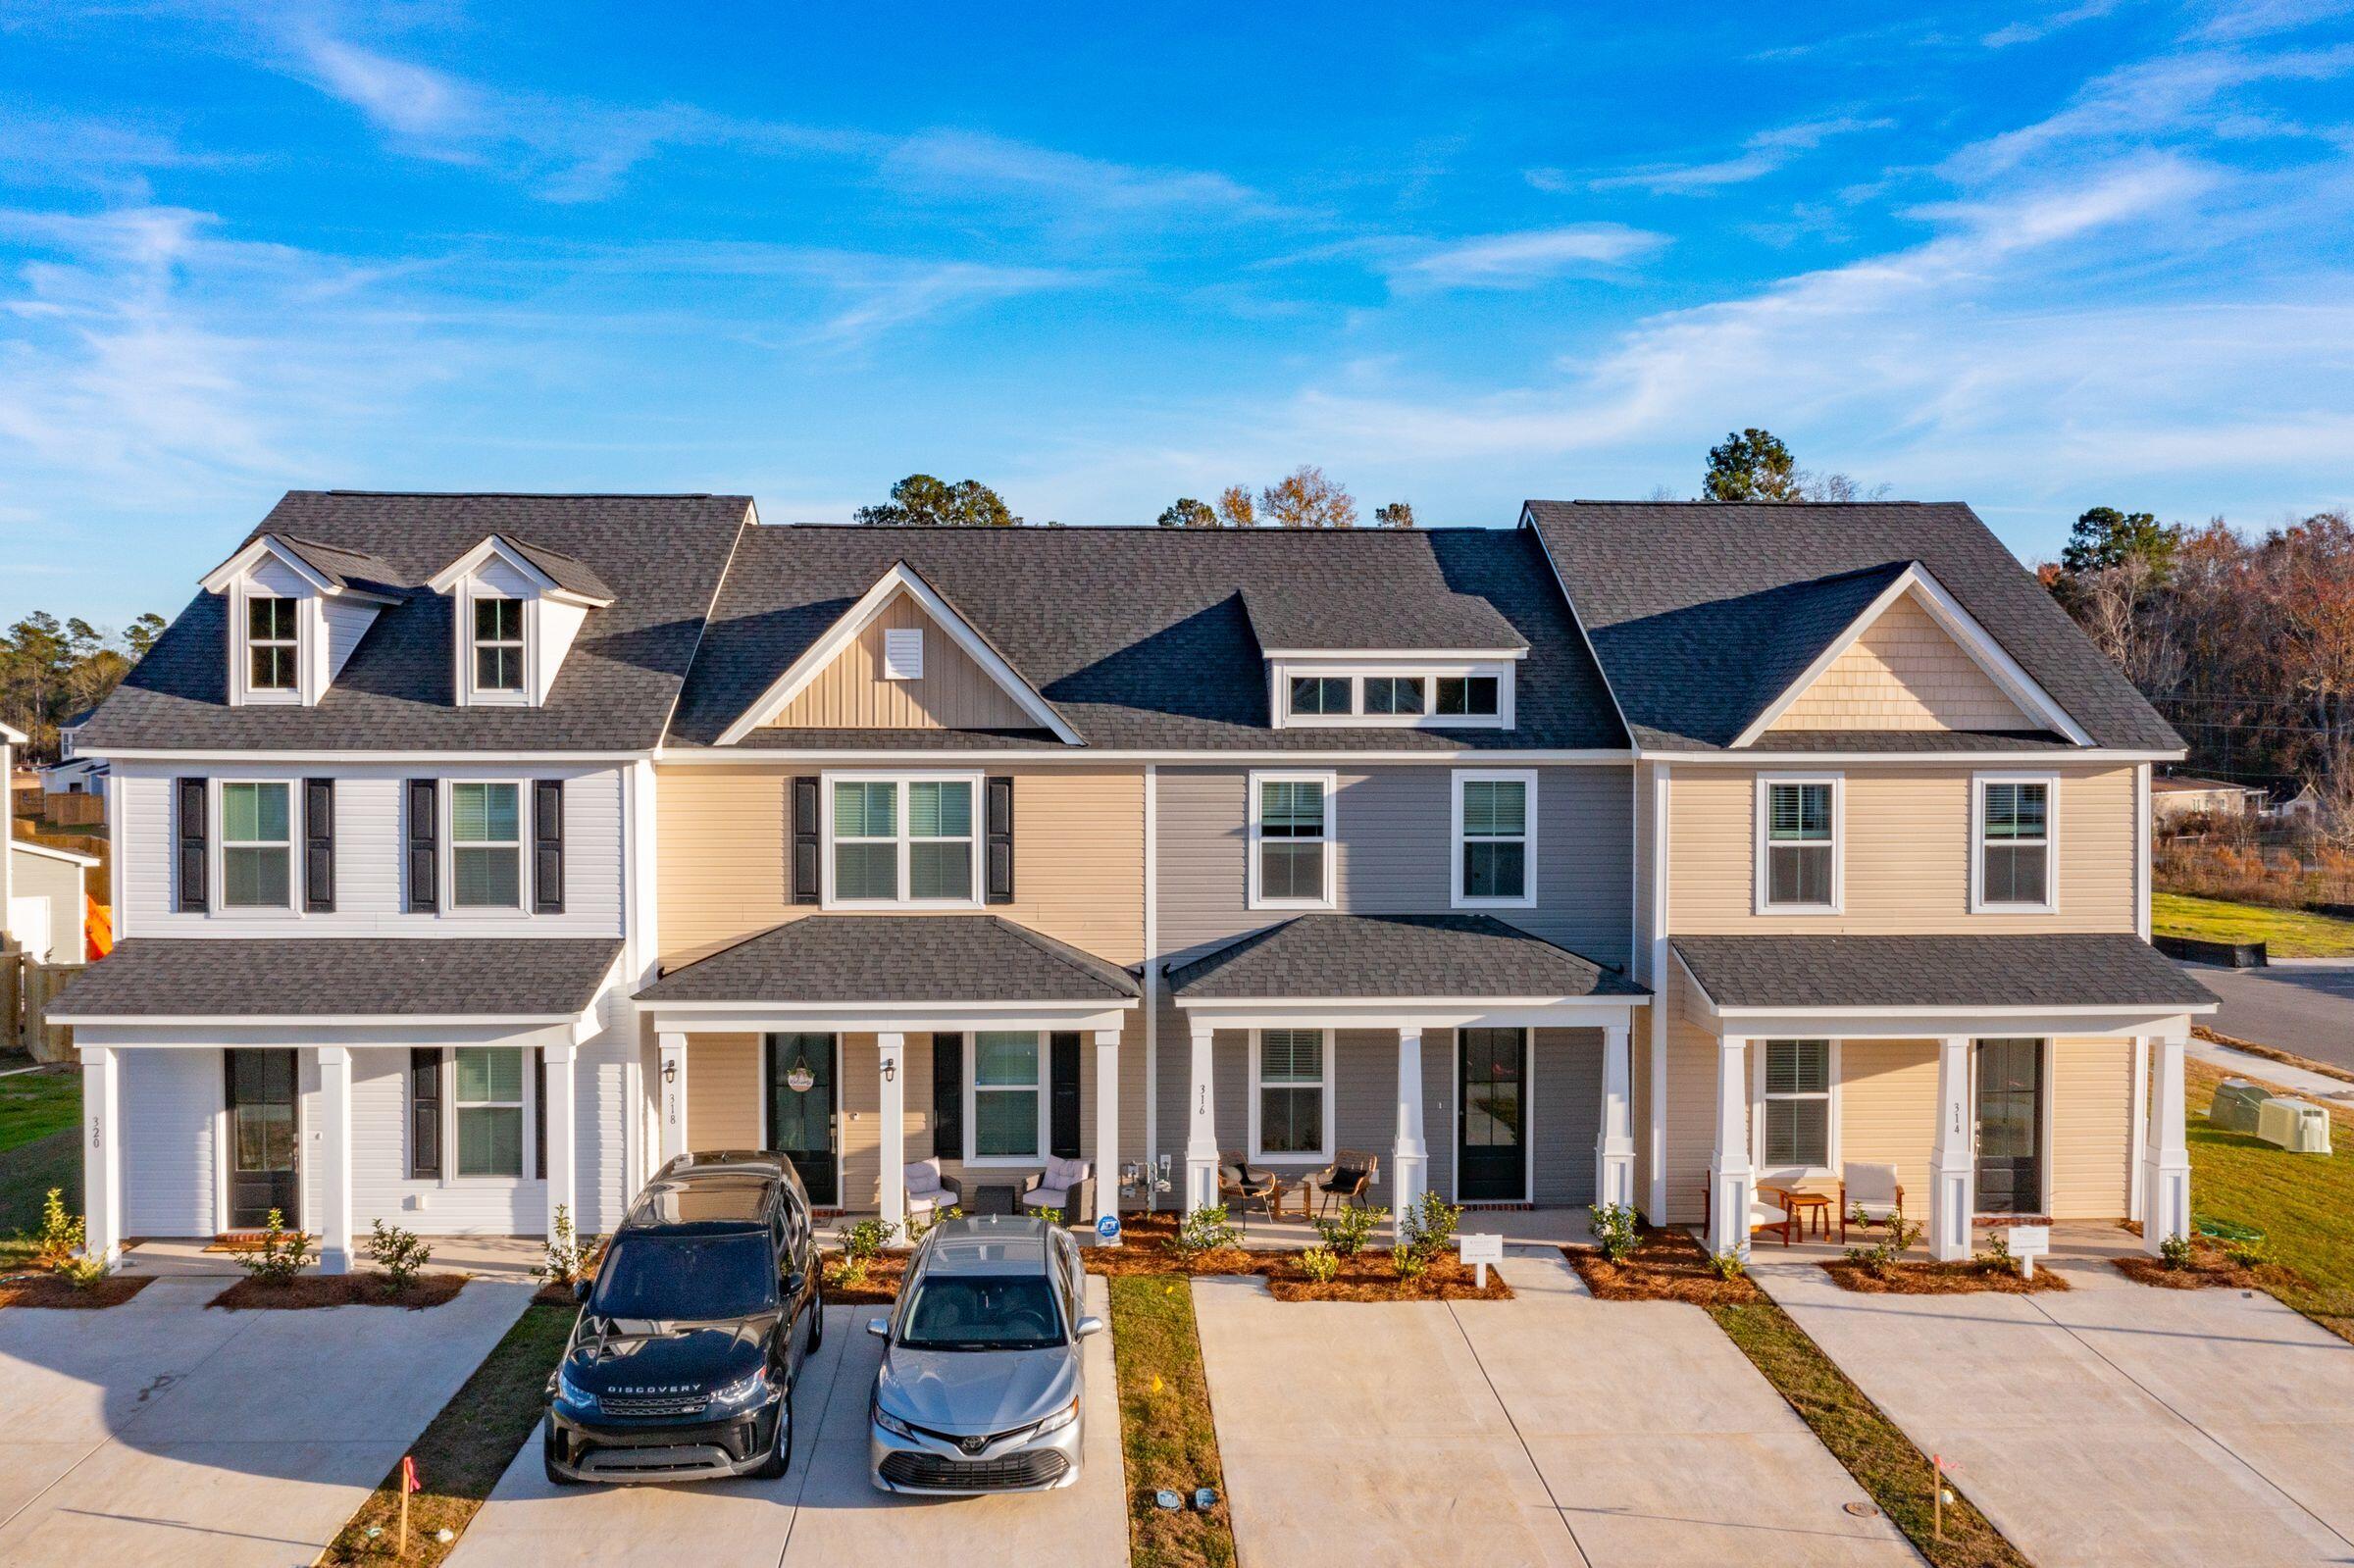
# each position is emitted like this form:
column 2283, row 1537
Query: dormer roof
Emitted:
column 331, row 572
column 1356, row 613
column 557, row 575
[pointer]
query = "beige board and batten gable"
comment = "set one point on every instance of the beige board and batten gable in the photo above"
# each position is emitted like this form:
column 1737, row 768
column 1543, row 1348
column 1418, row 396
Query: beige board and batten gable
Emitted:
column 854, row 692
column 1905, row 672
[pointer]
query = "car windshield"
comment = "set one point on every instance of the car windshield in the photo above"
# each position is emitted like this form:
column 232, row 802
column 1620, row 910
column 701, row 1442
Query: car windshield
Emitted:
column 674, row 1277
column 981, row 1312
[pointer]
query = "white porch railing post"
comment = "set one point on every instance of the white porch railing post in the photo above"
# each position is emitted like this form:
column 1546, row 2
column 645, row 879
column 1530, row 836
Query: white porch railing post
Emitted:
column 335, row 1159
column 1614, row 1144
column 672, row 1092
column 1201, row 1127
column 1953, row 1157
column 1731, row 1180
column 102, row 1153
column 890, row 1052
column 1108, row 1126
column 1410, row 1156
column 560, row 1117
column 2165, row 1173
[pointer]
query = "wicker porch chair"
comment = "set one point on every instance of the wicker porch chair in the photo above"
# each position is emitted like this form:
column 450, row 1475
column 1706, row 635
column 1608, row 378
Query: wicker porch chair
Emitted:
column 1349, row 1178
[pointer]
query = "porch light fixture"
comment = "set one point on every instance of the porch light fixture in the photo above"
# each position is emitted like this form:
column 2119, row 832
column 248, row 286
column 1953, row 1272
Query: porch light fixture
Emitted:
column 670, row 1071
column 891, row 1068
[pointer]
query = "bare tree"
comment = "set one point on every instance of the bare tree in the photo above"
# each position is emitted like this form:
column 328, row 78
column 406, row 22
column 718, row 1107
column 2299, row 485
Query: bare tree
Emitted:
column 1305, row 499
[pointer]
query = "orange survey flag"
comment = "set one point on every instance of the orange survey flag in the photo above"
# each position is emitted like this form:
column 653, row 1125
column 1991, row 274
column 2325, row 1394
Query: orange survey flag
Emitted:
column 98, row 927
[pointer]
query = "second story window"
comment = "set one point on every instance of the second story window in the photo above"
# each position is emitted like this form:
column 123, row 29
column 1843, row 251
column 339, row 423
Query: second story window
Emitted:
column 498, row 645
column 272, row 644
column 257, row 846
column 2015, row 843
column 1393, row 693
column 1467, row 695
column 485, row 838
column 1493, row 837
column 1321, row 693
column 1291, row 839
column 903, row 841
column 1800, row 850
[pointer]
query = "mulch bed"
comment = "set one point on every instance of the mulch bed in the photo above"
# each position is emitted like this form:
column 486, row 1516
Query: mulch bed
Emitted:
column 56, row 1290
column 1666, row 1266
column 1369, row 1276
column 2210, row 1269
column 307, row 1291
column 1965, row 1277
column 880, row 1288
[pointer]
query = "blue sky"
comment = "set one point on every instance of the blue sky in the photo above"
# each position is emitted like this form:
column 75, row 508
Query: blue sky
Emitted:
column 1100, row 257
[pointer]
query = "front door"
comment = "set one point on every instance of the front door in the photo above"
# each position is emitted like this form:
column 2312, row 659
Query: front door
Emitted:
column 262, row 1141
column 2010, row 1127
column 801, row 1106
column 1493, row 1159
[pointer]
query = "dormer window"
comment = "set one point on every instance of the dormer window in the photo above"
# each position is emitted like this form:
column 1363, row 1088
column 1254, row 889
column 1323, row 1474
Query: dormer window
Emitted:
column 1468, row 696
column 1396, row 691
column 295, row 610
column 497, row 644
column 1321, row 694
column 273, row 644
column 515, row 610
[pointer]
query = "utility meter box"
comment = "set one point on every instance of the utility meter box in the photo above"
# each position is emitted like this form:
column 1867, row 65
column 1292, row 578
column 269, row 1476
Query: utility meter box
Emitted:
column 2236, row 1101
column 2298, row 1126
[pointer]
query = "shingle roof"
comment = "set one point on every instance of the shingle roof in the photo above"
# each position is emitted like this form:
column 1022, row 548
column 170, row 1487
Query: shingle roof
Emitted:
column 896, row 958
column 1142, row 638
column 617, row 684
column 566, row 572
column 375, row 976
column 2076, row 970
column 1284, row 620
column 345, row 569
column 1394, row 955
column 1680, row 597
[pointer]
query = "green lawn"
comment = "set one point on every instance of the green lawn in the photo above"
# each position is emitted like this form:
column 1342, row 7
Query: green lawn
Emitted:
column 40, row 1148
column 2287, row 932
column 36, row 1104
column 2303, row 1204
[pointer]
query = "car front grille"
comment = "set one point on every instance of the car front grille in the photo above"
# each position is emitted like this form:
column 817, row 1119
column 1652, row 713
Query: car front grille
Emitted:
column 667, row 1404
column 1039, row 1467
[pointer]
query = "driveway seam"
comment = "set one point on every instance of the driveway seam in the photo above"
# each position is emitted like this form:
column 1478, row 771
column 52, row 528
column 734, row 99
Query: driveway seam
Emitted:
column 839, row 1345
column 1558, row 1512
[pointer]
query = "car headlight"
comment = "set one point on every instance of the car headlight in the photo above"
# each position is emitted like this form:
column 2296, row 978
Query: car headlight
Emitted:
column 891, row 1424
column 1058, row 1420
column 750, row 1389
column 571, row 1393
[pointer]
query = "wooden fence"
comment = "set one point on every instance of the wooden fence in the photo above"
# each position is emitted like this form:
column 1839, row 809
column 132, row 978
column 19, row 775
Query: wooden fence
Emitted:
column 26, row 990
column 74, row 811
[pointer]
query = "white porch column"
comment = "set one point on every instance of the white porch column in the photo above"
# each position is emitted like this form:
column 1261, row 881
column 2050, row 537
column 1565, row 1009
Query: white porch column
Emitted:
column 2139, row 1129
column 1108, row 1126
column 102, row 1153
column 2165, row 1166
column 1410, row 1156
column 1657, row 1206
column 1954, row 1156
column 1615, row 1145
column 335, row 1159
column 1201, row 1127
column 560, row 1117
column 672, row 1092
column 891, row 1053
column 1732, row 1184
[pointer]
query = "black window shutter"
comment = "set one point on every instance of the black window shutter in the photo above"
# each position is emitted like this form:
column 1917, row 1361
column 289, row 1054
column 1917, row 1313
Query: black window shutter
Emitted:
column 1062, row 1109
column 548, row 845
column 539, row 1109
column 806, row 883
column 194, row 813
column 1000, row 840
column 425, row 823
column 319, row 845
column 948, row 1096
column 424, row 1114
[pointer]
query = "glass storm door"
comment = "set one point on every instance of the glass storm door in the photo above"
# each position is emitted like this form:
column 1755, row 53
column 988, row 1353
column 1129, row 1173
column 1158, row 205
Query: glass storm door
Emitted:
column 1493, row 1164
column 2010, row 1127
column 261, row 1139
column 801, row 1111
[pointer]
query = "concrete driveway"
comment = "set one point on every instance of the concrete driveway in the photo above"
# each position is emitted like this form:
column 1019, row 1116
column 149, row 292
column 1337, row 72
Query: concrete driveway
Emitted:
column 2114, row 1422
column 1550, row 1428
column 160, row 1433
column 823, row 1510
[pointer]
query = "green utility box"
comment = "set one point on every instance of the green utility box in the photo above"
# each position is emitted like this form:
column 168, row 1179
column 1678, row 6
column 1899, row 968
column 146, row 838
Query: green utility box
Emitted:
column 2238, row 1104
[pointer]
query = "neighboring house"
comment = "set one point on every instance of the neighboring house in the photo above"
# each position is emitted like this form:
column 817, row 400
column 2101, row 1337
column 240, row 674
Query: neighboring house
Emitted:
column 2178, row 796
column 2303, row 809
column 45, row 894
column 71, row 774
column 11, row 738
column 474, row 854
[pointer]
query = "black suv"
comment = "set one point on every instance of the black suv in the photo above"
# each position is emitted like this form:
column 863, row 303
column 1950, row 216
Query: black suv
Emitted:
column 705, row 1306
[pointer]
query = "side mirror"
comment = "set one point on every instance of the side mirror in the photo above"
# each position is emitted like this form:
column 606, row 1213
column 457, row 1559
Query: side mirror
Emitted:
column 795, row 1284
column 879, row 1328
column 581, row 1289
column 1089, row 1326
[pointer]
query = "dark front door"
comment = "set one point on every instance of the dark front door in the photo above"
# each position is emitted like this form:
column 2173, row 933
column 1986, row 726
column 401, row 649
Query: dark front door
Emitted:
column 801, row 1093
column 1493, row 1131
column 261, row 1139
column 2009, row 1126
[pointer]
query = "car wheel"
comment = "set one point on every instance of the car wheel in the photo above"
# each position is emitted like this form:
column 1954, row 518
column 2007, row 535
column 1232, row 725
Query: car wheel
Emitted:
column 779, row 1457
column 817, row 1320
column 547, row 1456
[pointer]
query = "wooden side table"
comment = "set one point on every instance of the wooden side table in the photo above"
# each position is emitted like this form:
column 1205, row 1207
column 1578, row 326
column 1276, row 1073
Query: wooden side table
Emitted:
column 1810, row 1209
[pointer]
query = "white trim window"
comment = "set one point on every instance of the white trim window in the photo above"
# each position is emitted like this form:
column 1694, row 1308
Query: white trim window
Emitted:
column 257, row 845
column 907, row 840
column 1468, row 696
column 1799, row 822
column 1005, row 1099
column 1457, row 691
column 1292, row 841
column 1323, row 696
column 488, row 1096
column 486, row 845
column 1794, row 1079
column 2012, row 821
column 1495, row 824
column 497, row 645
column 1395, row 696
column 1291, row 1094
column 273, row 644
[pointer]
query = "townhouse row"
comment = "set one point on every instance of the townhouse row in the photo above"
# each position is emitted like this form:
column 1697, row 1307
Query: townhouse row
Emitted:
column 475, row 854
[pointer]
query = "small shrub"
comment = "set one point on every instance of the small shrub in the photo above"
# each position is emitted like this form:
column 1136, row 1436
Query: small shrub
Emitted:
column 864, row 1241
column 1997, row 1258
column 1430, row 1228
column 567, row 1254
column 848, row 1275
column 1409, row 1261
column 402, row 1255
column 1204, row 1230
column 1727, row 1264
column 920, row 1226
column 281, row 1254
column 1880, row 1259
column 62, row 1232
column 2245, row 1254
column 1615, row 1231
column 84, row 1270
column 1321, row 1264
column 1348, row 1233
column 1048, row 1213
column 2175, row 1250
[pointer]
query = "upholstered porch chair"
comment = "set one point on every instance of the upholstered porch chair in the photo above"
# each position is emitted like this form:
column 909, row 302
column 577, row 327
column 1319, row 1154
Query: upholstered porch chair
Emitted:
column 1065, row 1184
column 928, row 1191
column 1769, row 1212
column 1872, row 1188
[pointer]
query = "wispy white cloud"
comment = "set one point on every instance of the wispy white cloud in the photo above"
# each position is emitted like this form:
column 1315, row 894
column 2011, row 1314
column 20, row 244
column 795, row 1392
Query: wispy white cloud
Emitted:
column 1523, row 260
column 961, row 165
column 76, row 151
column 2235, row 20
column 1760, row 155
column 2043, row 27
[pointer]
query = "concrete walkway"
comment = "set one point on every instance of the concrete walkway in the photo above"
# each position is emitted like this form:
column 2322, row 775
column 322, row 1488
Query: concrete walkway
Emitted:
column 2114, row 1422
column 1550, row 1428
column 162, row 1433
column 824, row 1510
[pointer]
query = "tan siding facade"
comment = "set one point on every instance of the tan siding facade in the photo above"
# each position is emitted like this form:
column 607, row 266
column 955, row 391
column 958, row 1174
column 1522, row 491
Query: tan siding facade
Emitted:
column 953, row 693
column 1906, row 854
column 1888, row 1110
column 1691, row 1103
column 723, row 1091
column 725, row 837
column 1904, row 672
column 2090, row 1103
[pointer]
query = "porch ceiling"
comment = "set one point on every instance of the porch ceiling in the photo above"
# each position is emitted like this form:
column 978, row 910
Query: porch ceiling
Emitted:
column 897, row 960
